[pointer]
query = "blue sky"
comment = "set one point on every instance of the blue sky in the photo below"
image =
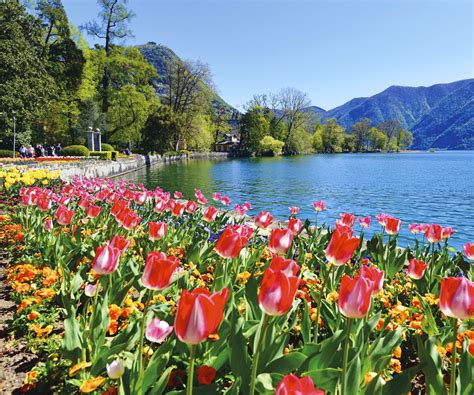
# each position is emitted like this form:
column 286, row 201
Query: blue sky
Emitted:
column 332, row 50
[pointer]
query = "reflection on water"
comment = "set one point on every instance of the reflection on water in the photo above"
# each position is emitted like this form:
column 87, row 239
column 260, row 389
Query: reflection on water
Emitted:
column 417, row 187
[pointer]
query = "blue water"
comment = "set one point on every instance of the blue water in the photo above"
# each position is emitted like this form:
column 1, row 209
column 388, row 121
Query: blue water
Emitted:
column 416, row 187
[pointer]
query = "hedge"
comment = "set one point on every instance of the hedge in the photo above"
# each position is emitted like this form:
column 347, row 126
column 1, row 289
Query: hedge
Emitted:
column 107, row 147
column 6, row 153
column 75, row 150
column 103, row 155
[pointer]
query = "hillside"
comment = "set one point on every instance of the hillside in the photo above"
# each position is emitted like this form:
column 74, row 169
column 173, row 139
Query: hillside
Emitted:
column 158, row 55
column 440, row 116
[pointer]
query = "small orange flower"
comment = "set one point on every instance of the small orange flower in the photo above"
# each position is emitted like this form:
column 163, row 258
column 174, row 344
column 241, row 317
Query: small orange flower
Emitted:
column 78, row 366
column 397, row 353
column 33, row 315
column 92, row 384
column 45, row 293
column 114, row 312
column 31, row 377
column 113, row 328
column 40, row 331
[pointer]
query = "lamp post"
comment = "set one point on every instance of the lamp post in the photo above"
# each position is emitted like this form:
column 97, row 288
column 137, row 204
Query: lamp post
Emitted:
column 14, row 134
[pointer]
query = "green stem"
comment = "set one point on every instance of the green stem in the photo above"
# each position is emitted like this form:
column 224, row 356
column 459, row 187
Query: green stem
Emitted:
column 318, row 306
column 432, row 265
column 452, row 387
column 148, row 295
column 189, row 384
column 256, row 357
column 346, row 354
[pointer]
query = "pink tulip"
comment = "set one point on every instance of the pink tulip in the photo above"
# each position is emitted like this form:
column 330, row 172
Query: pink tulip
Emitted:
column 64, row 215
column 191, row 207
column 365, row 222
column 263, row 219
column 346, row 219
column 93, row 211
column 210, row 214
column 106, row 259
column 295, row 225
column 375, row 275
column 294, row 210
column 456, row 297
column 469, row 250
column 157, row 331
column 319, row 205
column 434, row 233
column 355, row 296
column 416, row 269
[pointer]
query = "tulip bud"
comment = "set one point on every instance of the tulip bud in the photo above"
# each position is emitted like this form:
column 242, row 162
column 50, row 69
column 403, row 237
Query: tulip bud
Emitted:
column 116, row 369
column 157, row 330
column 90, row 290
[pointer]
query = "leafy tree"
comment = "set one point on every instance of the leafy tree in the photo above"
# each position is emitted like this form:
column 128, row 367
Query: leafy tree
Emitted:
column 317, row 142
column 391, row 129
column 301, row 142
column 332, row 136
column 360, row 133
column 160, row 129
column 26, row 88
column 349, row 144
column 253, row 128
column 290, row 104
column 404, row 139
column 271, row 146
column 111, row 25
column 377, row 139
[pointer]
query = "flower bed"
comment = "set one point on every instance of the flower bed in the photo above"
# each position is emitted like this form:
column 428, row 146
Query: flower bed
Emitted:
column 120, row 289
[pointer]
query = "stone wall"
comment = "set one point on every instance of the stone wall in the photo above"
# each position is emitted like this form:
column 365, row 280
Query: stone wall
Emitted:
column 100, row 168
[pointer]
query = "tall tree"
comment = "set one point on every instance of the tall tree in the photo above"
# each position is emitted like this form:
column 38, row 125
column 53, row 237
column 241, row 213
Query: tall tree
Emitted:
column 360, row 133
column 111, row 25
column 390, row 128
column 332, row 136
column 187, row 94
column 26, row 88
column 290, row 105
column 253, row 128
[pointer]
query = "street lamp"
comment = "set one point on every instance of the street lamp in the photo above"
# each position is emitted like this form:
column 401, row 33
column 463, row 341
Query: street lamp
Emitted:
column 14, row 133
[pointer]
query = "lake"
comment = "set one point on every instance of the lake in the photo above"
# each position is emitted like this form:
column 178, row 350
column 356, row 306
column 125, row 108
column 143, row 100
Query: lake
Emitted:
column 416, row 187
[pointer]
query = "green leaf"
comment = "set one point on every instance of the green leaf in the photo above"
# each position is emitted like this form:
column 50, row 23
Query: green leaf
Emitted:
column 431, row 363
column 353, row 374
column 401, row 383
column 325, row 379
column 286, row 363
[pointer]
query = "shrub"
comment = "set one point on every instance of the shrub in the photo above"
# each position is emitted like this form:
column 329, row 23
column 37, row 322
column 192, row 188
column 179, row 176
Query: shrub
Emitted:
column 272, row 146
column 103, row 155
column 6, row 153
column 107, row 147
column 75, row 150
column 170, row 153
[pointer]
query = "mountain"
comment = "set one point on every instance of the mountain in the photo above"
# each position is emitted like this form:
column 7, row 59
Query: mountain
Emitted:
column 440, row 116
column 159, row 55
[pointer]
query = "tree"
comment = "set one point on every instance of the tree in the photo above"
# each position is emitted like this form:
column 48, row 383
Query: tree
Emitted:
column 349, row 144
column 332, row 136
column 111, row 25
column 187, row 94
column 404, row 139
column 377, row 139
column 160, row 129
column 253, row 128
column 26, row 88
column 360, row 133
column 390, row 128
column 271, row 146
column 290, row 105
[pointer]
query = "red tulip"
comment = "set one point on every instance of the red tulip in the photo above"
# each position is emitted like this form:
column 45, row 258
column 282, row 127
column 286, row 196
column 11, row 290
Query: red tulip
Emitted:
column 280, row 241
column 319, row 205
column 230, row 242
column 120, row 242
column 279, row 286
column 216, row 196
column 84, row 202
column 355, row 296
column 225, row 200
column 392, row 225
column 160, row 270
column 160, row 206
column 434, row 233
column 128, row 219
column 263, row 219
column 416, row 269
column 178, row 195
column 48, row 224
column 375, row 275
column 346, row 219
column 469, row 250
column 118, row 206
column 292, row 385
column 447, row 232
column 342, row 246
column 414, row 228
column 365, row 222
column 191, row 206
column 44, row 203
column 199, row 314
column 295, row 225
column 64, row 215
column 157, row 230
column 106, row 259
column 456, row 297
column 177, row 209
column 93, row 211
column 206, row 375
column 210, row 214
